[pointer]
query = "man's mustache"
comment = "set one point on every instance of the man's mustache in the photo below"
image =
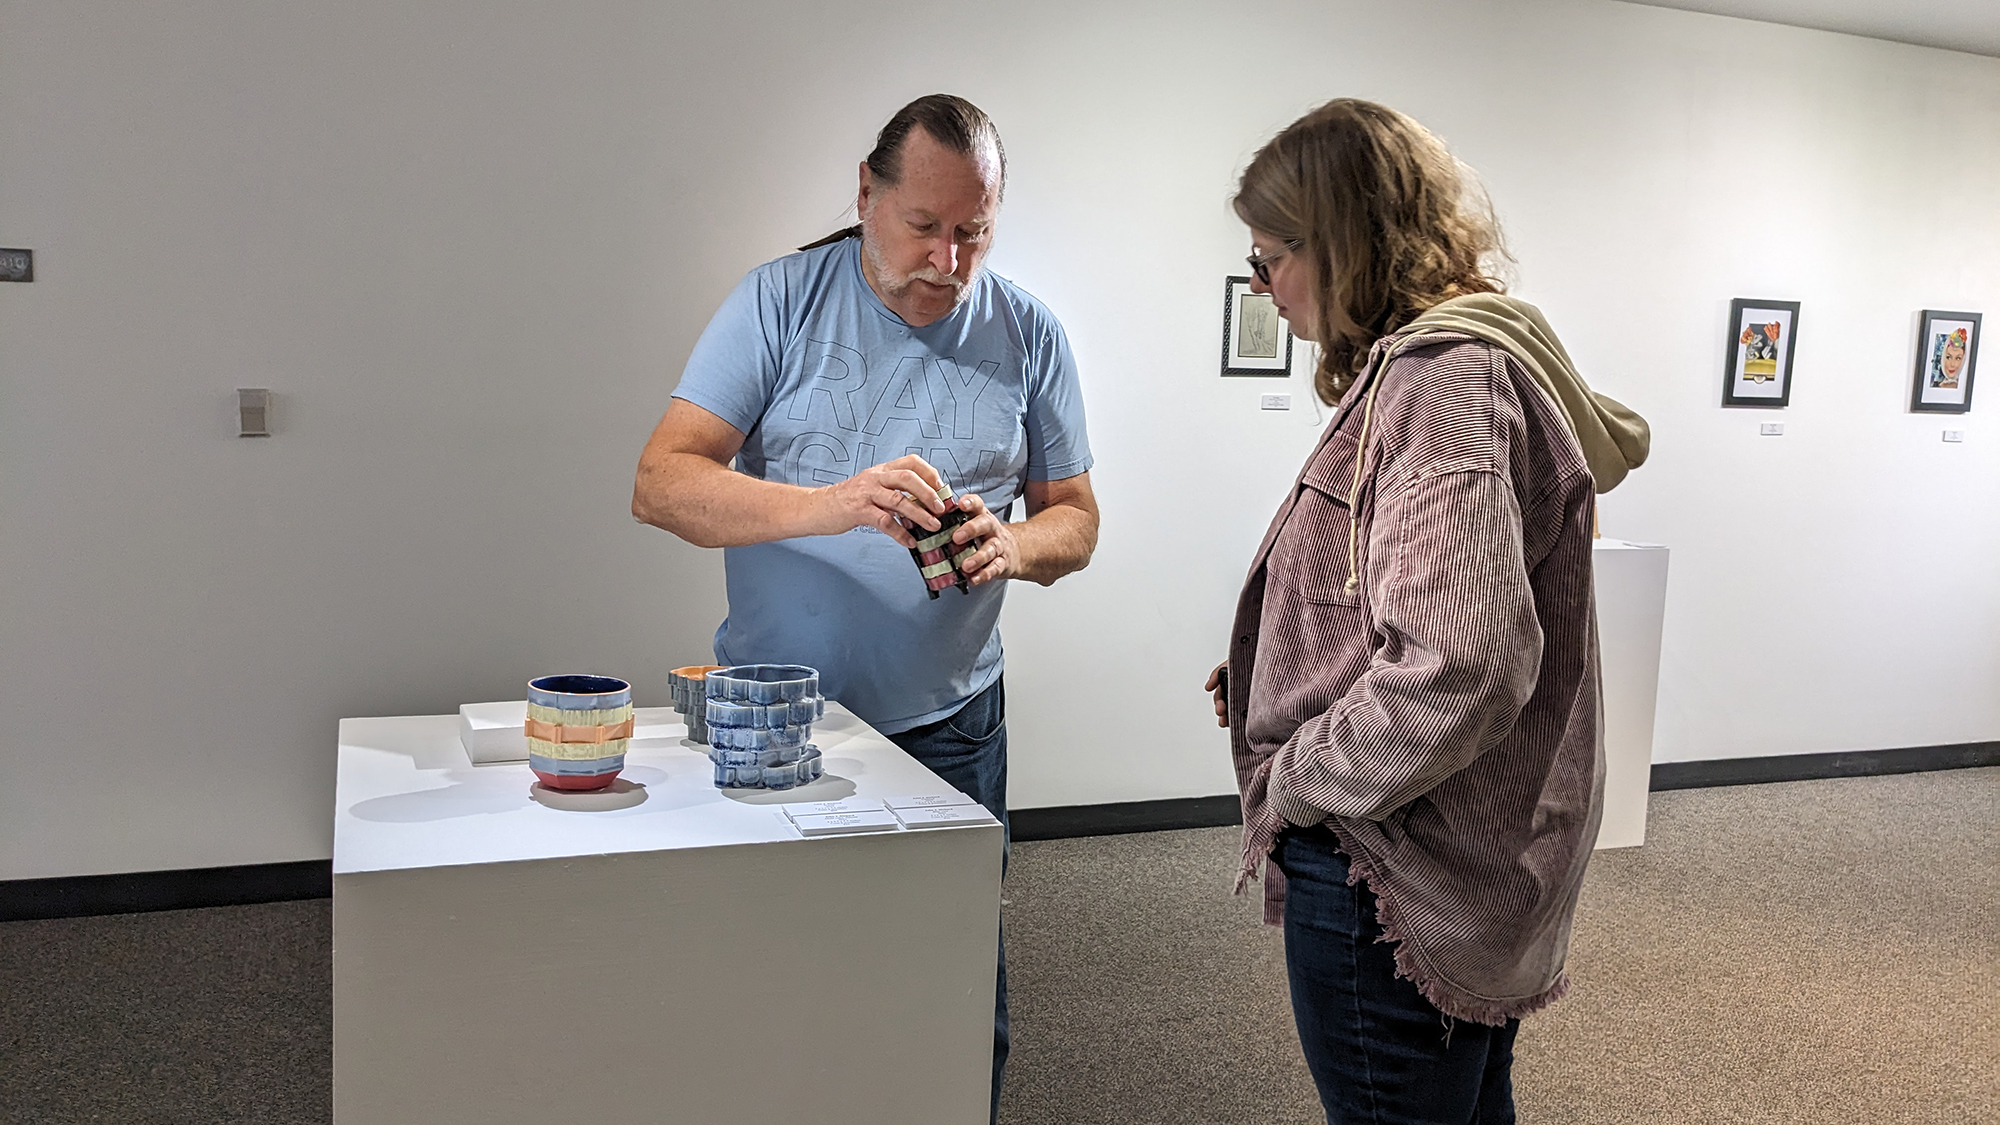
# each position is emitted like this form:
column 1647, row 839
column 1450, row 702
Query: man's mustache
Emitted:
column 930, row 274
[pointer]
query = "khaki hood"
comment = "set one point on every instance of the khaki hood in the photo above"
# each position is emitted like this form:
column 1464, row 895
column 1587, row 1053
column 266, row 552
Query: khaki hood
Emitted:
column 1615, row 439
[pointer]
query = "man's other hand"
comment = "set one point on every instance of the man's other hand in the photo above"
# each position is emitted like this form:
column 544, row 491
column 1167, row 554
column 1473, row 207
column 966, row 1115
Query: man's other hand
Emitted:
column 999, row 556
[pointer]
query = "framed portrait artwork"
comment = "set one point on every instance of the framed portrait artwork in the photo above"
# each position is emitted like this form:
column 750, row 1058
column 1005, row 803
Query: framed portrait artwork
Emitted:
column 1762, row 335
column 1947, row 343
column 1255, row 339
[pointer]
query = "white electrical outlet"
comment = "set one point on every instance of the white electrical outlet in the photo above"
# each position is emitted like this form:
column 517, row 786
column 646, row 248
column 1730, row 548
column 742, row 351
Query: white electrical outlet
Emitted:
column 1954, row 435
column 1276, row 402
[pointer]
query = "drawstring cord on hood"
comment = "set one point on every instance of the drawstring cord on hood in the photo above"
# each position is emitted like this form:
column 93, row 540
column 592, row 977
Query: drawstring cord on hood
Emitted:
column 1354, row 490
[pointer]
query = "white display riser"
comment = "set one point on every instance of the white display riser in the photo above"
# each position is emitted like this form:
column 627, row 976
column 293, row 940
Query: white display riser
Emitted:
column 663, row 952
column 1631, row 606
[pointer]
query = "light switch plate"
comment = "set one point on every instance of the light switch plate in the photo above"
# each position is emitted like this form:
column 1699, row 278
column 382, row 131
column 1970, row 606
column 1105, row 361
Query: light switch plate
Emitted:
column 1954, row 435
column 1771, row 429
column 253, row 412
column 1275, row 402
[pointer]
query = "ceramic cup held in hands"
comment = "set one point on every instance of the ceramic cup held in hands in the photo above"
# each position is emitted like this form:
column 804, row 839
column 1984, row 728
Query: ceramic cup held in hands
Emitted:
column 578, row 729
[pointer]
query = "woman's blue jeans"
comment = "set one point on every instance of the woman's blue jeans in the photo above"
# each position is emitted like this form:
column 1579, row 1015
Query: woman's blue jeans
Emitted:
column 1379, row 1052
column 969, row 751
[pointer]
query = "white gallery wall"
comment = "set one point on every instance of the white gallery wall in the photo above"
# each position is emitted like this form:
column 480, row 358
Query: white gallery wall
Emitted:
column 468, row 247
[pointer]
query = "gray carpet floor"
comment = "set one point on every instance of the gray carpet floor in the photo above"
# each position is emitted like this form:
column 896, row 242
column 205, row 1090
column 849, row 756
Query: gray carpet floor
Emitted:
column 179, row 1016
column 1814, row 952
column 1801, row 953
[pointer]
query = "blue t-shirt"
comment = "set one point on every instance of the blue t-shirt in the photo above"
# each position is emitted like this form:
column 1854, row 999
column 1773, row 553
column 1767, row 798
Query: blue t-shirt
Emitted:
column 825, row 381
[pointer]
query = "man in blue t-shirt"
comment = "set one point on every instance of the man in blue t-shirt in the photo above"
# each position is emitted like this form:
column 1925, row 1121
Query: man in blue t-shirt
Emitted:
column 847, row 382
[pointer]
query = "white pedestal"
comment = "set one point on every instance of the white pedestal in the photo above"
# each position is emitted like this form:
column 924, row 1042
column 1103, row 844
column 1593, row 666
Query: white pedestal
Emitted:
column 664, row 951
column 1631, row 604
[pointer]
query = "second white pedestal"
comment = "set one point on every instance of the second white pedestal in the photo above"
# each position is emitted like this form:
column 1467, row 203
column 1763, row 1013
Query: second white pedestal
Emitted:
column 1631, row 608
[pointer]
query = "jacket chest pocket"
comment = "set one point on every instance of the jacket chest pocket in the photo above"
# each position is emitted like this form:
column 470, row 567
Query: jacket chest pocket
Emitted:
column 1310, row 555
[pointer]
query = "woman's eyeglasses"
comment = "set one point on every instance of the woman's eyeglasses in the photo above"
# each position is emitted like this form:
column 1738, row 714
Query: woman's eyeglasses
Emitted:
column 1260, row 264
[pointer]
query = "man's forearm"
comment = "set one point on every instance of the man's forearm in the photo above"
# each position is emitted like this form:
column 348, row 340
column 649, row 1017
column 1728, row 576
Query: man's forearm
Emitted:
column 712, row 505
column 1055, row 541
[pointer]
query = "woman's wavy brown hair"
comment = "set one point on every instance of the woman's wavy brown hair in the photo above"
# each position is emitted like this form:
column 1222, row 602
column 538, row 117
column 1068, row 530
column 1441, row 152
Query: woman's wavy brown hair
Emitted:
column 1389, row 222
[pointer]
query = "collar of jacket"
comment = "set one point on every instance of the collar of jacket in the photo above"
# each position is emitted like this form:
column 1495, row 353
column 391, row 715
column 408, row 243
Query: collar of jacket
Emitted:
column 1360, row 394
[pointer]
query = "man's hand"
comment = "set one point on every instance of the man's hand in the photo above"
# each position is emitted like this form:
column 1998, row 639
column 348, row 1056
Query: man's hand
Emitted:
column 906, row 488
column 999, row 556
column 1218, row 687
column 1056, row 539
column 685, row 485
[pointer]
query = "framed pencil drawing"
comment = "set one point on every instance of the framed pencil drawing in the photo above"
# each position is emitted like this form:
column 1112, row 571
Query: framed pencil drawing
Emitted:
column 1947, row 345
column 1762, row 336
column 1255, row 339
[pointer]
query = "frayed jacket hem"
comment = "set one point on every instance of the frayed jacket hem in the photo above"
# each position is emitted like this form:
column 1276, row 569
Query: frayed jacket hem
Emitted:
column 1445, row 996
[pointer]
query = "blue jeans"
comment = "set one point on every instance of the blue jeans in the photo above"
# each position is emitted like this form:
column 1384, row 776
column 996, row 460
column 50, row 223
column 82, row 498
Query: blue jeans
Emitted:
column 969, row 750
column 1378, row 1051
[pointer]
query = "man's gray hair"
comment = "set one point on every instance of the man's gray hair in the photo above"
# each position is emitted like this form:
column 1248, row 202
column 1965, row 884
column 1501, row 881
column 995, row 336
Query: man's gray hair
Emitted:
column 954, row 123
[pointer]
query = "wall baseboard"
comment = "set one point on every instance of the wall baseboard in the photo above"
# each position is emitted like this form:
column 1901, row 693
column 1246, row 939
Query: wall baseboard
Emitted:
column 1065, row 821
column 1816, row 767
column 85, row 895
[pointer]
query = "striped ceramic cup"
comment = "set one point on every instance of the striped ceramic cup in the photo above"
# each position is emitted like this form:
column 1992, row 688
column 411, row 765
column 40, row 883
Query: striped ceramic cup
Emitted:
column 579, row 728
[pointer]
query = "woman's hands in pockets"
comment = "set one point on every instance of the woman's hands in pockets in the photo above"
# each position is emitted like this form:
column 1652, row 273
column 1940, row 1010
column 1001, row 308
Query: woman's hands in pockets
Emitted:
column 1218, row 688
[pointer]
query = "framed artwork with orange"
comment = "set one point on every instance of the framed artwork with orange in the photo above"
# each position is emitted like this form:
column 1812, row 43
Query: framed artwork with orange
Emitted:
column 1762, row 336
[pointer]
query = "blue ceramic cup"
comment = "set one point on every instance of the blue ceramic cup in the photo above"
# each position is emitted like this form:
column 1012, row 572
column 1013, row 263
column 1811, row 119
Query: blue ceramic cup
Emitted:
column 760, row 720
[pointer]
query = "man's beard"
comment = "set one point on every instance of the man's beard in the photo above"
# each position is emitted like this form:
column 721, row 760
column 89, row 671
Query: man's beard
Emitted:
column 898, row 284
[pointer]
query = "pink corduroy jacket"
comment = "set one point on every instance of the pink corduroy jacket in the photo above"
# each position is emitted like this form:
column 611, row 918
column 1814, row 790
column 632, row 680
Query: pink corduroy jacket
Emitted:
column 1414, row 663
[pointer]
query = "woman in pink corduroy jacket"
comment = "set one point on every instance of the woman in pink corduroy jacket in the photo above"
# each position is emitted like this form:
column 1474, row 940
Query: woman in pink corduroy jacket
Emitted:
column 1412, row 682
